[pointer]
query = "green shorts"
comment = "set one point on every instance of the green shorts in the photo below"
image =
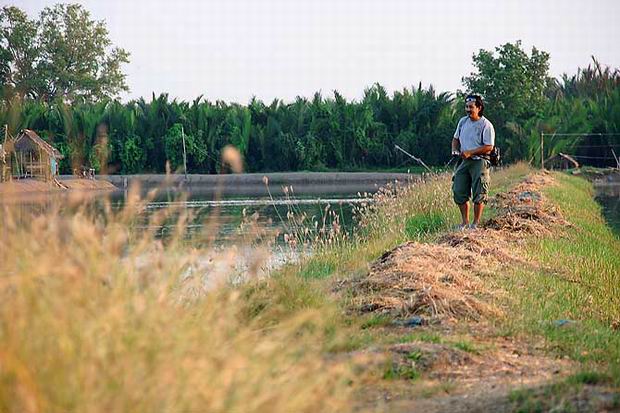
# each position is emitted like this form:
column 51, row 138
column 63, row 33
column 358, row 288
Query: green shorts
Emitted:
column 471, row 180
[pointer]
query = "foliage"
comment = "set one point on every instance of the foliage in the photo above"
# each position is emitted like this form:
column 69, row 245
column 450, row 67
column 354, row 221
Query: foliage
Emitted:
column 317, row 134
column 589, row 293
column 196, row 154
column 513, row 86
column 513, row 83
column 524, row 102
column 64, row 54
column 427, row 223
column 98, row 318
column 323, row 132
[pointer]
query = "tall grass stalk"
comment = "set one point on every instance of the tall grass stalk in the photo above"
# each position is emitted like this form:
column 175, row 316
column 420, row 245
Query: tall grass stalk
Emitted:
column 96, row 319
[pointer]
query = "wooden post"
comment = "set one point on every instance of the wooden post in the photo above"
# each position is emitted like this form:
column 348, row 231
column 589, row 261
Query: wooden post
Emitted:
column 184, row 153
column 5, row 155
column 616, row 158
column 542, row 151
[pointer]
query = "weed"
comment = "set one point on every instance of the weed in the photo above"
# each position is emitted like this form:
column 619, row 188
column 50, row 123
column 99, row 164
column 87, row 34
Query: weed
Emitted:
column 525, row 401
column 317, row 269
column 426, row 337
column 588, row 377
column 414, row 355
column 376, row 320
column 465, row 346
column 96, row 318
column 423, row 224
column 398, row 372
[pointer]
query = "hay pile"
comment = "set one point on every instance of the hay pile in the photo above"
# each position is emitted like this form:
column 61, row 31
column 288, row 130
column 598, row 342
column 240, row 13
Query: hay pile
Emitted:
column 447, row 278
column 423, row 279
column 523, row 210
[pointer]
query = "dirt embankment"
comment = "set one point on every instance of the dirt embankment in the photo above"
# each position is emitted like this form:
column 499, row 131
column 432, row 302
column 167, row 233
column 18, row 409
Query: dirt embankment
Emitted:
column 30, row 186
column 258, row 179
column 446, row 294
column 448, row 279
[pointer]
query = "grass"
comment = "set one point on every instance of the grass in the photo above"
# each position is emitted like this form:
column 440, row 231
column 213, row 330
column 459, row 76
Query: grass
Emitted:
column 91, row 321
column 584, row 285
column 376, row 320
column 399, row 372
column 589, row 377
column 424, row 336
column 555, row 396
column 318, row 269
column 579, row 281
column 466, row 346
column 423, row 224
column 417, row 212
column 414, row 355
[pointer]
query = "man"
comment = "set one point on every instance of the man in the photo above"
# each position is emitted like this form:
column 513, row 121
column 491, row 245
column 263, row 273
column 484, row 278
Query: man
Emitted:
column 474, row 138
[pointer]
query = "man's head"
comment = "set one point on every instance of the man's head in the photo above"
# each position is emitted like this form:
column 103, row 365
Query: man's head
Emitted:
column 474, row 106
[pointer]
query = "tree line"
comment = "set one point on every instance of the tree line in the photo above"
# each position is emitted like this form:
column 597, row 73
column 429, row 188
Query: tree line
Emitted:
column 73, row 106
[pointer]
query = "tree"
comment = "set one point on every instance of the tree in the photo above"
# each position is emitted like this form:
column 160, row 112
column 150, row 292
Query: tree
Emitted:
column 64, row 54
column 132, row 155
column 18, row 52
column 196, row 154
column 513, row 85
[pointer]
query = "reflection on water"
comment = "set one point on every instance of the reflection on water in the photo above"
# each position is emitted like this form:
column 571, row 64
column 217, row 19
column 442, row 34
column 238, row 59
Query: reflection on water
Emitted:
column 218, row 214
column 254, row 219
column 256, row 202
column 608, row 195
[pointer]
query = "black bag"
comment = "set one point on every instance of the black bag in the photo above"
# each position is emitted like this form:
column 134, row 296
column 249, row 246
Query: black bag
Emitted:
column 495, row 158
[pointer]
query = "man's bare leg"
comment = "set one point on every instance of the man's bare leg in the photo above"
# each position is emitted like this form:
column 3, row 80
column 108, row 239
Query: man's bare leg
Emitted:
column 464, row 213
column 478, row 208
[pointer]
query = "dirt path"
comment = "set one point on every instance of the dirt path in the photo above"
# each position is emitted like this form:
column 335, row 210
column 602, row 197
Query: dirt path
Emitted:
column 452, row 357
column 33, row 186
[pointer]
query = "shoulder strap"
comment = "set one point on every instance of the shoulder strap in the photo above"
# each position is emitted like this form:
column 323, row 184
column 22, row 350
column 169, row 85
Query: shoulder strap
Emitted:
column 460, row 126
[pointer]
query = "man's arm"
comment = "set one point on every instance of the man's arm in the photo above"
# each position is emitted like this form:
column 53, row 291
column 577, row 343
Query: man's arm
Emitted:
column 483, row 150
column 456, row 146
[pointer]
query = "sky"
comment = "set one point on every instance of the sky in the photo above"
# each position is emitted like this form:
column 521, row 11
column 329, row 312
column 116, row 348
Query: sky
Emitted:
column 233, row 50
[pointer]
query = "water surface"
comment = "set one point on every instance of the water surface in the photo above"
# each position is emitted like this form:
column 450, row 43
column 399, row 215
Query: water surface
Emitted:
column 608, row 195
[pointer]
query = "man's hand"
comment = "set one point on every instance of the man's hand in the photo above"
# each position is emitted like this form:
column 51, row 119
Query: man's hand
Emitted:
column 483, row 150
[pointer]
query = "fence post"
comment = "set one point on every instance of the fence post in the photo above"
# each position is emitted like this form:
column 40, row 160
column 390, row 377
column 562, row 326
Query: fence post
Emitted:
column 616, row 158
column 542, row 152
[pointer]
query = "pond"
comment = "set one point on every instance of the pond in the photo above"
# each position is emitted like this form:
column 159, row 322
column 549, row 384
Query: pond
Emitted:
column 279, row 210
column 221, row 213
column 608, row 195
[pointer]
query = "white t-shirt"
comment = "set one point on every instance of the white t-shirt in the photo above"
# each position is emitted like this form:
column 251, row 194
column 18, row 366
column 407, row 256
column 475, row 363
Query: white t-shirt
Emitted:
column 474, row 134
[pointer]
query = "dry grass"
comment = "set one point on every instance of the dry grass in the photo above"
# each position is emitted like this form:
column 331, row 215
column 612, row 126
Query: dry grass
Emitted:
column 450, row 278
column 423, row 279
column 95, row 319
column 524, row 210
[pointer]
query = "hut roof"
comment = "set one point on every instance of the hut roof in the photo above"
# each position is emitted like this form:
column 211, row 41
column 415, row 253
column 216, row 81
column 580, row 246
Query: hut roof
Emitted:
column 46, row 147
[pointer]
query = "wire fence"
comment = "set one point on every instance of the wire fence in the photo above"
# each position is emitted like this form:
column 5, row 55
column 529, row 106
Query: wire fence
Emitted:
column 593, row 153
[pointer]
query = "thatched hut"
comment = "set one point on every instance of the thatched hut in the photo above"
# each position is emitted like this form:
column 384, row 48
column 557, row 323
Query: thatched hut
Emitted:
column 561, row 161
column 32, row 157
